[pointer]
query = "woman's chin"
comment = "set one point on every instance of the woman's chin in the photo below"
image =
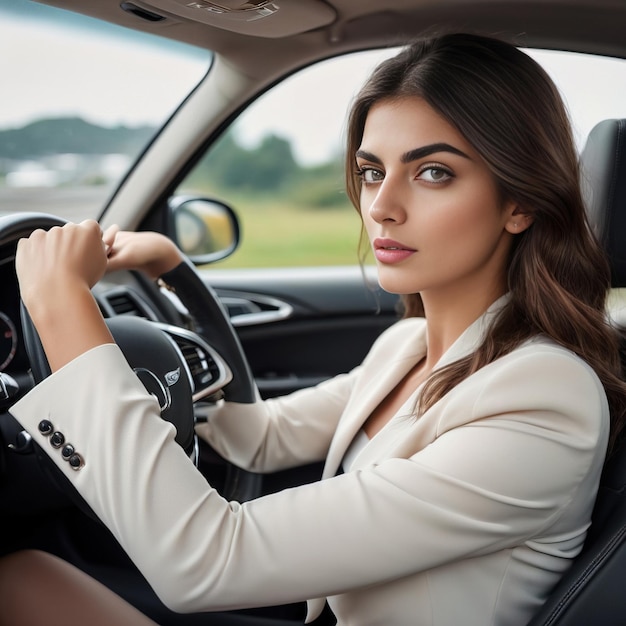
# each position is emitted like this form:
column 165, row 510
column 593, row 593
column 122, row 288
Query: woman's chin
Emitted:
column 394, row 284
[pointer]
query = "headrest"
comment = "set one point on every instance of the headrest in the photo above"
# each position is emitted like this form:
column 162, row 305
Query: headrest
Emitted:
column 603, row 164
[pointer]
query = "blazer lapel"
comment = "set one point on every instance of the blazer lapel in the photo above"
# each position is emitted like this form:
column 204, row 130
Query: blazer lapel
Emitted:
column 420, row 431
column 368, row 395
column 472, row 336
column 372, row 390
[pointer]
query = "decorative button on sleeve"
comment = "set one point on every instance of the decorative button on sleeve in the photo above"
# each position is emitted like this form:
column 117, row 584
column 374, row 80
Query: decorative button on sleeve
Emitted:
column 76, row 462
column 45, row 427
column 57, row 439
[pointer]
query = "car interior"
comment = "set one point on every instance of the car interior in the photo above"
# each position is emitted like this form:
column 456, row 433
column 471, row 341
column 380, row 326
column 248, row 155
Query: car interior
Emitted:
column 235, row 331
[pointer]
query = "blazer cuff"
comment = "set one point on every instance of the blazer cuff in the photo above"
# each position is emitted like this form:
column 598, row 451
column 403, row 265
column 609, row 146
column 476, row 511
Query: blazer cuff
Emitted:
column 51, row 411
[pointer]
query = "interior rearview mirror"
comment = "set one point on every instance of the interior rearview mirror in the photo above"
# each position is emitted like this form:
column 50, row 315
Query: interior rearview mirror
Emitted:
column 205, row 230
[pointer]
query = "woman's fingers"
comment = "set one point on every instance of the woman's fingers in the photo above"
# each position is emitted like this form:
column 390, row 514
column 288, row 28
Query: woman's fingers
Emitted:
column 109, row 237
column 152, row 253
column 63, row 253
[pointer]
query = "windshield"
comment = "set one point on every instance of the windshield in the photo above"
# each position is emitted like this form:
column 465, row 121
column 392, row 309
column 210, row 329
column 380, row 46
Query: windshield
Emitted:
column 81, row 100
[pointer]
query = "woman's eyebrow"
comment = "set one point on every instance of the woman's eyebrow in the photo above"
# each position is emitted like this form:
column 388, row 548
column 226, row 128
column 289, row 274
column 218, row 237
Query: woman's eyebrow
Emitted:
column 416, row 154
column 424, row 151
column 368, row 156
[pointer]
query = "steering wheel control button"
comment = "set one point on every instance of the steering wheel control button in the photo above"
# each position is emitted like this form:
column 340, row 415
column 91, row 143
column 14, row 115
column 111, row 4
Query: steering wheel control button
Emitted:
column 57, row 439
column 76, row 462
column 45, row 427
column 68, row 451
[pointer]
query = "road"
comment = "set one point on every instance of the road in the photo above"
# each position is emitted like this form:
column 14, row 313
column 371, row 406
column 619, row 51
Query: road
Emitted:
column 73, row 204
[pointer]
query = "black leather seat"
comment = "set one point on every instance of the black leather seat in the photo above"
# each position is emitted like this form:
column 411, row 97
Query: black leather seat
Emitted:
column 593, row 592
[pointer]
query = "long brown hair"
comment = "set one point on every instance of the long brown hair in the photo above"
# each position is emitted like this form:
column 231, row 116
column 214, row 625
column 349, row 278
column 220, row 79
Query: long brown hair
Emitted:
column 510, row 111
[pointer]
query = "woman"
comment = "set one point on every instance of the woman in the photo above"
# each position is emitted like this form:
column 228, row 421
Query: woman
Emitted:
column 462, row 457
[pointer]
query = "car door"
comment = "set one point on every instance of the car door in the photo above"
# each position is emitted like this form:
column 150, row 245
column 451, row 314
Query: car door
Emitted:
column 299, row 327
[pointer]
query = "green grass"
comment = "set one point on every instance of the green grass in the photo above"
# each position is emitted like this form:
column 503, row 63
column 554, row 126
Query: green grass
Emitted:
column 275, row 234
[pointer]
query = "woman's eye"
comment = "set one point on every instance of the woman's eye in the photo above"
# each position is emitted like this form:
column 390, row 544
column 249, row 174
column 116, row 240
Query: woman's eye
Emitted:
column 435, row 175
column 370, row 175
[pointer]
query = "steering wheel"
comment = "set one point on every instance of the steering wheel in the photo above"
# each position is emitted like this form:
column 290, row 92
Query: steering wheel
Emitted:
column 148, row 348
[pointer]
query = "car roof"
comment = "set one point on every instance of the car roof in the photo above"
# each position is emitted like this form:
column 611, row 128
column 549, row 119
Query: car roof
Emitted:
column 263, row 37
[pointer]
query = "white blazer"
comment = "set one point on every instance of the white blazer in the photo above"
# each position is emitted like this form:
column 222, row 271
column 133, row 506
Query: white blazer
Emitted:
column 466, row 515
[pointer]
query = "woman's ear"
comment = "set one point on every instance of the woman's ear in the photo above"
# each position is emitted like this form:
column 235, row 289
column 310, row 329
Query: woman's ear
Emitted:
column 518, row 220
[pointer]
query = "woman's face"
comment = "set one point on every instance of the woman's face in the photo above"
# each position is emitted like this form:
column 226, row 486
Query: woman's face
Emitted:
column 430, row 205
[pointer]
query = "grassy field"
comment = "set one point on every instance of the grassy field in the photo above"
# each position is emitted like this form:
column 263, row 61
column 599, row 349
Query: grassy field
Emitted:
column 275, row 234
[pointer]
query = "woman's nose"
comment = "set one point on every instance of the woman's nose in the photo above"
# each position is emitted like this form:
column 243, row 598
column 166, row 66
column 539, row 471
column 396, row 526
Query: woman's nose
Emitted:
column 387, row 205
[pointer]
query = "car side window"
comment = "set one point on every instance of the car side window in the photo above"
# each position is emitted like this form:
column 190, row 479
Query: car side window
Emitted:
column 280, row 165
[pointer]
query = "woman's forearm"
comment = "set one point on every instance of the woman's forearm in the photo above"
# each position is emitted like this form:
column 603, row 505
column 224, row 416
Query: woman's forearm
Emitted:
column 69, row 325
column 56, row 270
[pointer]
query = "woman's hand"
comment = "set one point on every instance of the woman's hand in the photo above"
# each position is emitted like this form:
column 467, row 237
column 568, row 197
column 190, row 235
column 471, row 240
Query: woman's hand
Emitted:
column 56, row 270
column 48, row 262
column 152, row 253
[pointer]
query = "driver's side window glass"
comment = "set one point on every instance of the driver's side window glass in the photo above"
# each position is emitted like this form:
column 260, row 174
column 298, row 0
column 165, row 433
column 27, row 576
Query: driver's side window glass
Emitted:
column 280, row 165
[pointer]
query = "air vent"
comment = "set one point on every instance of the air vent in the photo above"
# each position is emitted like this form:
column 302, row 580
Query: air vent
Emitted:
column 203, row 368
column 209, row 372
column 248, row 309
column 123, row 305
column 123, row 301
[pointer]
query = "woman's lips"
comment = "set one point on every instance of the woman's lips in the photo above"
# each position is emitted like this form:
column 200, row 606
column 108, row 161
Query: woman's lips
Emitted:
column 390, row 251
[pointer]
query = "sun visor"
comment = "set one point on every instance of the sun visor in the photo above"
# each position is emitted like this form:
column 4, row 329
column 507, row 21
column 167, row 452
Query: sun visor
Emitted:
column 261, row 18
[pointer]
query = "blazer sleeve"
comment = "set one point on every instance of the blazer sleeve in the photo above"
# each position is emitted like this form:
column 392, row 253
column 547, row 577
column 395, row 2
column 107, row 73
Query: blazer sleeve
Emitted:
column 479, row 487
column 280, row 432
column 297, row 428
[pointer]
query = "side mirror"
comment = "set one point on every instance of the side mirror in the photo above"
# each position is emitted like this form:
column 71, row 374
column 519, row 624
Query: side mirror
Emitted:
column 205, row 230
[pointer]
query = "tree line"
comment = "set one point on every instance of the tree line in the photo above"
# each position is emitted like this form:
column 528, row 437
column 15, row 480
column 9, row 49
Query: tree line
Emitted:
column 270, row 168
column 267, row 169
column 71, row 135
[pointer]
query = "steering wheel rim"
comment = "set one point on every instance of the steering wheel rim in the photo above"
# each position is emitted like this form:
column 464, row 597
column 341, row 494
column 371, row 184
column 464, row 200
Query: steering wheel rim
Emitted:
column 155, row 359
column 211, row 320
